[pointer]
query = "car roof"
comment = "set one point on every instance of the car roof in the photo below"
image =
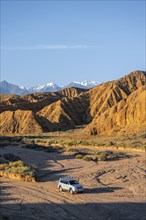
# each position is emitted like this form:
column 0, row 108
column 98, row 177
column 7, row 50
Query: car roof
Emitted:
column 66, row 178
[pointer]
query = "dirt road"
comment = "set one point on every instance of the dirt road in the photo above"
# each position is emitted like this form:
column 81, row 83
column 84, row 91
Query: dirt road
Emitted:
column 114, row 190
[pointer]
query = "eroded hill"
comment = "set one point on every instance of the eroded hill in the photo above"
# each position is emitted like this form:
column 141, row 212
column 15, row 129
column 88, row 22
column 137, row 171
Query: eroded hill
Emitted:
column 113, row 107
column 128, row 115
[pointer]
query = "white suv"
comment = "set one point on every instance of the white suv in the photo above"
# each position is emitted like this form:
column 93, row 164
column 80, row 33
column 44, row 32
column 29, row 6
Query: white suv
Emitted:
column 69, row 184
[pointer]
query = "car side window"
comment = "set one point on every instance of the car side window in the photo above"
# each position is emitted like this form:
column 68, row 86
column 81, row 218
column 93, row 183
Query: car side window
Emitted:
column 63, row 181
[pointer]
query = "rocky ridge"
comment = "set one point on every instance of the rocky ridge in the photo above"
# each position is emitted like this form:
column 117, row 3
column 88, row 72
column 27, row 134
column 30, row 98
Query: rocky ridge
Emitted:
column 114, row 107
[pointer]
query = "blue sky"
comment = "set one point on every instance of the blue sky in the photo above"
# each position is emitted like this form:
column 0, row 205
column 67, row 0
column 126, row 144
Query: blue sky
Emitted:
column 64, row 41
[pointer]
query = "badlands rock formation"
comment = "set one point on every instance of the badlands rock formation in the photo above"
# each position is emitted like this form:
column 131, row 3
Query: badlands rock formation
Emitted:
column 113, row 107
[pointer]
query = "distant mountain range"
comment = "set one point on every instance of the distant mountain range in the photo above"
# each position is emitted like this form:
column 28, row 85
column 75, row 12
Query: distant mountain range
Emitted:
column 8, row 88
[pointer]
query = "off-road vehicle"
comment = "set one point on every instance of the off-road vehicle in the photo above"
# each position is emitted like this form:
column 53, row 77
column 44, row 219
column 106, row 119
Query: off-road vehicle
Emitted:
column 69, row 184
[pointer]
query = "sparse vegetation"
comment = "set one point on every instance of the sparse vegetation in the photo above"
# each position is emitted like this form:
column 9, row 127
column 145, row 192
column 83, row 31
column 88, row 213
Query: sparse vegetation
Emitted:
column 87, row 158
column 79, row 156
column 71, row 149
column 73, row 139
column 48, row 149
column 18, row 167
column 96, row 156
column 102, row 158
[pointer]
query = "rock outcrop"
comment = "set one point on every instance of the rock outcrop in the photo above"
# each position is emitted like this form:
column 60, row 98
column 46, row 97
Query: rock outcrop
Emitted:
column 19, row 121
column 127, row 116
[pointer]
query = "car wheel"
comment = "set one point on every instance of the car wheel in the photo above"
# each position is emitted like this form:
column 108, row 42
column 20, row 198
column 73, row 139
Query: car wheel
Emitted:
column 71, row 191
column 60, row 189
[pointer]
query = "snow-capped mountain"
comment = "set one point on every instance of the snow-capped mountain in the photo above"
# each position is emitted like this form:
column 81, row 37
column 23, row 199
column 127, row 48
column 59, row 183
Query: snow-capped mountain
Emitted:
column 8, row 88
column 52, row 87
column 49, row 87
column 83, row 85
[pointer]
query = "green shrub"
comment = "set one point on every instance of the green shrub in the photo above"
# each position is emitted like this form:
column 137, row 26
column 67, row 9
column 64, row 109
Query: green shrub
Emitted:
column 71, row 149
column 18, row 163
column 79, row 156
column 92, row 152
column 4, row 166
column 88, row 158
column 113, row 156
column 49, row 142
column 102, row 158
column 71, row 143
column 99, row 144
column 136, row 155
column 18, row 167
column 98, row 152
column 79, row 142
column 86, row 143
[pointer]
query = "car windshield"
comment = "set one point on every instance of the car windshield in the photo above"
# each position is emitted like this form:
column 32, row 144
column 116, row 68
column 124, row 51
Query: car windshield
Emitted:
column 72, row 182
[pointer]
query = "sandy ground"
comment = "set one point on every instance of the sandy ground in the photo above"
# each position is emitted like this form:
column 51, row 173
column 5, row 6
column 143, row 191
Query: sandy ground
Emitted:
column 114, row 190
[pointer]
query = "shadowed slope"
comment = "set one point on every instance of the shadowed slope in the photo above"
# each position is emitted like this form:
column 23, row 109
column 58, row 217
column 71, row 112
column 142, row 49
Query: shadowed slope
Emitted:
column 35, row 101
column 65, row 113
column 19, row 122
column 126, row 116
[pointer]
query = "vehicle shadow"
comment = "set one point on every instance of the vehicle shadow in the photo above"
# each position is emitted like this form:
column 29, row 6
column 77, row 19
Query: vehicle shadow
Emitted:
column 20, row 209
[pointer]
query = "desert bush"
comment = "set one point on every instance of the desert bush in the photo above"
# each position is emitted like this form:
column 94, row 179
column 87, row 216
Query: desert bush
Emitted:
column 48, row 149
column 86, row 143
column 71, row 143
column 110, row 143
column 18, row 163
column 92, row 152
column 113, row 157
column 71, row 149
column 79, row 142
column 4, row 166
column 99, row 152
column 18, row 167
column 88, row 158
column 79, row 156
column 136, row 143
column 99, row 144
column 122, row 144
column 50, row 142
column 102, row 158
column 109, row 152
column 136, row 155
